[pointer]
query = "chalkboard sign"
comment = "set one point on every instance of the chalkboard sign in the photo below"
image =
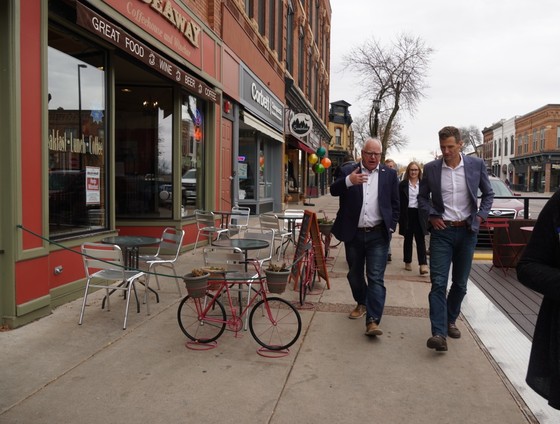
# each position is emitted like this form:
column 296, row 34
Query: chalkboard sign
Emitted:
column 309, row 230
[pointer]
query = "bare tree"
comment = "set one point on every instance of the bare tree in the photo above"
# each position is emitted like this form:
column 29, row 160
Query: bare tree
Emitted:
column 394, row 75
column 472, row 138
column 396, row 139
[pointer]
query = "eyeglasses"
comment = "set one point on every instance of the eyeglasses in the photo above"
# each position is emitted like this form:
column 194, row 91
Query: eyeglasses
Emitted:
column 371, row 154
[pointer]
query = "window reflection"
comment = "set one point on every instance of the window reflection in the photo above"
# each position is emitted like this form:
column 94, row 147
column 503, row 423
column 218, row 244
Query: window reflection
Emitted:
column 192, row 149
column 76, row 136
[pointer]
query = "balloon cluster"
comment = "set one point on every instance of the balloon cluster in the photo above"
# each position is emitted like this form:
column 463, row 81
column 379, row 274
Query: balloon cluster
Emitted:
column 318, row 161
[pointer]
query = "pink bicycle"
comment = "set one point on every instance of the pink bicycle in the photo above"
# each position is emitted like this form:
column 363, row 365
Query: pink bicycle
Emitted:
column 274, row 323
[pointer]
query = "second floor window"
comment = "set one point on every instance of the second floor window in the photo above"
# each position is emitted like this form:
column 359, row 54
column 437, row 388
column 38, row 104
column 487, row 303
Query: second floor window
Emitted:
column 261, row 17
column 512, row 145
column 338, row 136
column 272, row 24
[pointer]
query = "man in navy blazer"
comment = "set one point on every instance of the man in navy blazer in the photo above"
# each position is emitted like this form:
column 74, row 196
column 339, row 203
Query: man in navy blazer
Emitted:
column 367, row 216
column 448, row 195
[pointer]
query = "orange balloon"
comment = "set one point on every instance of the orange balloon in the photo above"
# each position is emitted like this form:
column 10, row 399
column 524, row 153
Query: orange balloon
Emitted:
column 326, row 162
column 312, row 158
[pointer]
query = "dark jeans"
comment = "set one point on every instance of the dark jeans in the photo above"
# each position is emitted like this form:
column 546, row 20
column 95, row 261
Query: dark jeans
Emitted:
column 368, row 250
column 414, row 230
column 452, row 245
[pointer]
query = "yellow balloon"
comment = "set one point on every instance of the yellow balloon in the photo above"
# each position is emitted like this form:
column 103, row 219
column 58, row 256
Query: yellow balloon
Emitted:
column 312, row 158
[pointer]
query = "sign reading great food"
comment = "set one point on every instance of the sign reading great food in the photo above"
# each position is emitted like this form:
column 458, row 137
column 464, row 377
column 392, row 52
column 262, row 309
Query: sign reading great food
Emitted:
column 96, row 24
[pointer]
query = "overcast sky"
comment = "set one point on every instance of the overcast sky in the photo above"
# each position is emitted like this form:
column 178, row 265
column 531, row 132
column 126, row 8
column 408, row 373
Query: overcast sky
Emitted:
column 492, row 60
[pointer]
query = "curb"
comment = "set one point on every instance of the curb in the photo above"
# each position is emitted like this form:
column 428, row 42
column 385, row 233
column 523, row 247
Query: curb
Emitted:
column 482, row 256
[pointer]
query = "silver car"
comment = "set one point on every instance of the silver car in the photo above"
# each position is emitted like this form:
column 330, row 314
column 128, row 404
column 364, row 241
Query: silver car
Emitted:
column 189, row 186
column 505, row 208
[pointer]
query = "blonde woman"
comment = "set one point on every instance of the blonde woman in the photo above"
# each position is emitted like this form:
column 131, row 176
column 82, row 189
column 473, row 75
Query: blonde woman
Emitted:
column 412, row 223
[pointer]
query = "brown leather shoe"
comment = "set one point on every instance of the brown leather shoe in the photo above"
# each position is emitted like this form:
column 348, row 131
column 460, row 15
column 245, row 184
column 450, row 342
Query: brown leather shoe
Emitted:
column 438, row 343
column 424, row 269
column 358, row 312
column 372, row 329
column 453, row 331
column 408, row 266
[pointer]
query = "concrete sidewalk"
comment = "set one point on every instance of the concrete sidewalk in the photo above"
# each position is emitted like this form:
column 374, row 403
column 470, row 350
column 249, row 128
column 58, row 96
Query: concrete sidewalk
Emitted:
column 57, row 371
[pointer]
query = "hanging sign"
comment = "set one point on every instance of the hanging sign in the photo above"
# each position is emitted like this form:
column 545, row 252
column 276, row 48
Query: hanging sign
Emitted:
column 301, row 124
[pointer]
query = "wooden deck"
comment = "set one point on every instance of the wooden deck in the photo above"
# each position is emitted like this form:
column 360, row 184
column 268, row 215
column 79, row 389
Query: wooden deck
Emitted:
column 519, row 303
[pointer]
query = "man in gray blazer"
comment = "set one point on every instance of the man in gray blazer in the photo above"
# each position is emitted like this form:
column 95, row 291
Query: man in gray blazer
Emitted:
column 367, row 217
column 448, row 196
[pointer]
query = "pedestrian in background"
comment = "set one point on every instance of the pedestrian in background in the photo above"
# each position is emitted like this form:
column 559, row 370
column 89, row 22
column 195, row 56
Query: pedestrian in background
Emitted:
column 412, row 221
column 348, row 160
column 448, row 196
column 539, row 269
column 391, row 164
column 366, row 219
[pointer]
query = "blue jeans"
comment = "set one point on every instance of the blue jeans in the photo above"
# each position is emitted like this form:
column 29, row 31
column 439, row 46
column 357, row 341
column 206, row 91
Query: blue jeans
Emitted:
column 370, row 250
column 452, row 245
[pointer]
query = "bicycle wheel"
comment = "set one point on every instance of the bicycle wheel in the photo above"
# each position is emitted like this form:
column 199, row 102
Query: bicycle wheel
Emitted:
column 201, row 329
column 274, row 323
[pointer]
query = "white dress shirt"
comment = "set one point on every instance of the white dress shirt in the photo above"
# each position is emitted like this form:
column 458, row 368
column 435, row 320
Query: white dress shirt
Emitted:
column 370, row 215
column 455, row 193
column 413, row 195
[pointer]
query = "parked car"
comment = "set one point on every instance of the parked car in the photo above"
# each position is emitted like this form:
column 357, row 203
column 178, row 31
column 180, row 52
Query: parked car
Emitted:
column 189, row 186
column 501, row 208
column 505, row 208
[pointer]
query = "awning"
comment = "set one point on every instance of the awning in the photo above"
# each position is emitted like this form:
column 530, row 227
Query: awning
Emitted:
column 304, row 147
column 261, row 127
column 299, row 144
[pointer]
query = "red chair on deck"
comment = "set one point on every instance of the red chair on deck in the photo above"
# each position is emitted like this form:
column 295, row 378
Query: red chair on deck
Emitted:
column 505, row 252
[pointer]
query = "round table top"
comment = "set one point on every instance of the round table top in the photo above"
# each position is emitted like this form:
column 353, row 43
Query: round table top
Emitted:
column 289, row 215
column 242, row 243
column 131, row 241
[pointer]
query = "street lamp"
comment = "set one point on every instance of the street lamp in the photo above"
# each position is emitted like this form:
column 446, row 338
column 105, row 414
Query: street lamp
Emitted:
column 374, row 123
column 80, row 67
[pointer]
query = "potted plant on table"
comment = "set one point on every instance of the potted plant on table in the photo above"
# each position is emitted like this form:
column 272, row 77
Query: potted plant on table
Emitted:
column 277, row 276
column 196, row 282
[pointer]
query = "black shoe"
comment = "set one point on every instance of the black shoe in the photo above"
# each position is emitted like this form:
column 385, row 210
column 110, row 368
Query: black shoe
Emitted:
column 453, row 331
column 438, row 343
column 389, row 257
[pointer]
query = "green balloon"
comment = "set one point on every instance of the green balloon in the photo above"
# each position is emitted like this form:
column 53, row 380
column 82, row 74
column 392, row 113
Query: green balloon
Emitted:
column 319, row 168
column 321, row 151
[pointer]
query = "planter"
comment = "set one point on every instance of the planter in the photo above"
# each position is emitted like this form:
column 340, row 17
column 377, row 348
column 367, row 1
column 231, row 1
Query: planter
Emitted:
column 277, row 281
column 325, row 229
column 196, row 286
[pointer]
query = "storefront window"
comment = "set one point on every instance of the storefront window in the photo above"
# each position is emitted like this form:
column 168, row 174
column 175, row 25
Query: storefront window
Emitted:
column 143, row 150
column 192, row 149
column 76, row 135
column 265, row 177
column 255, row 172
column 247, row 167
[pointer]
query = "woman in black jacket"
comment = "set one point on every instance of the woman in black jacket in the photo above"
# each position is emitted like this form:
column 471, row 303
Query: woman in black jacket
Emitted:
column 539, row 269
column 412, row 224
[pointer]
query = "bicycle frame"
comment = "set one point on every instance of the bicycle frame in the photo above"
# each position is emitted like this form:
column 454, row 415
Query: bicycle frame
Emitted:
column 224, row 287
